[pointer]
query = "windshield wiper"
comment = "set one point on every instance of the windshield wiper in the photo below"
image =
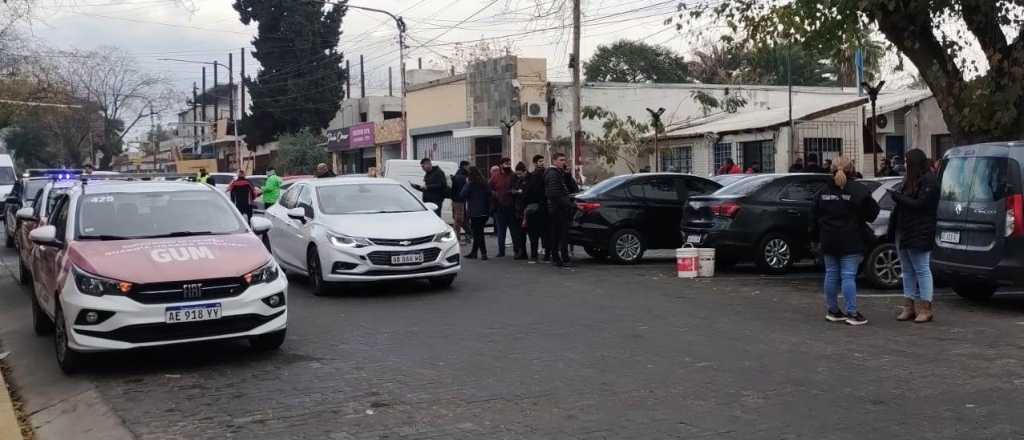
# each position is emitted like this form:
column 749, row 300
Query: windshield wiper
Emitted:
column 105, row 237
column 180, row 234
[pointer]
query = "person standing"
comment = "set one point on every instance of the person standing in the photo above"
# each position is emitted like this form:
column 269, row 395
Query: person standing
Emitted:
column 477, row 195
column 242, row 194
column 812, row 164
column 915, row 221
column 798, row 166
column 730, row 167
column 323, row 171
column 826, row 166
column 559, row 210
column 504, row 208
column 435, row 185
column 518, row 224
column 459, row 181
column 536, row 210
column 201, row 178
column 841, row 213
column 271, row 188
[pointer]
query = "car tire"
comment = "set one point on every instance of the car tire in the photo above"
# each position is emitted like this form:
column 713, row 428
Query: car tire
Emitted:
column 69, row 360
column 595, row 253
column 626, row 246
column 775, row 253
column 974, row 291
column 315, row 272
column 24, row 275
column 269, row 341
column 41, row 324
column 442, row 282
column 882, row 267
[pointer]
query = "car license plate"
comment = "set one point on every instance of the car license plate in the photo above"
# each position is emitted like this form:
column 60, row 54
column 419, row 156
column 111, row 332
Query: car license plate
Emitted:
column 201, row 312
column 950, row 236
column 407, row 258
column 693, row 239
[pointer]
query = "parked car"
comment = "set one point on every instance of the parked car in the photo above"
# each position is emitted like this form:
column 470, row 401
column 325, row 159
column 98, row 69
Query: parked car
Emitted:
column 123, row 265
column 979, row 243
column 221, row 180
column 881, row 264
column 729, row 179
column 406, row 171
column 357, row 229
column 764, row 218
column 33, row 217
column 624, row 216
column 8, row 176
column 22, row 195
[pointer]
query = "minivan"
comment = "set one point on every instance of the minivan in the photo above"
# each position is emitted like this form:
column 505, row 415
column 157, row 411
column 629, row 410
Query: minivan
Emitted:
column 407, row 171
column 979, row 239
column 7, row 176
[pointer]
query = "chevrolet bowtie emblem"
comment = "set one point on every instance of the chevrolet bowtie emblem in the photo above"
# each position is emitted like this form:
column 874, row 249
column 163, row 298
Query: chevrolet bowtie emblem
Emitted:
column 959, row 209
column 405, row 242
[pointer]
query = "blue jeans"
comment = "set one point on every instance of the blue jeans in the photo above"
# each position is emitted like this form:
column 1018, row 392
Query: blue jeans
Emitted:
column 841, row 274
column 917, row 274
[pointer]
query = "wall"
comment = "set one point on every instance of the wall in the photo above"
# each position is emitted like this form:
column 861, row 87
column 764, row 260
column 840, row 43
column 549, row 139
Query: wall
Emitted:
column 530, row 135
column 373, row 106
column 924, row 120
column 437, row 103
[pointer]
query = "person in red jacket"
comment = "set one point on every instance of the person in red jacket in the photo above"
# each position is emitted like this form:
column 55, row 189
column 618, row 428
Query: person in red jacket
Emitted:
column 242, row 193
column 730, row 167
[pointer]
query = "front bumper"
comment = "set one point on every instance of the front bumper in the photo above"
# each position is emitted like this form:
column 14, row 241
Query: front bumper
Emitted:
column 137, row 325
column 1009, row 271
column 366, row 265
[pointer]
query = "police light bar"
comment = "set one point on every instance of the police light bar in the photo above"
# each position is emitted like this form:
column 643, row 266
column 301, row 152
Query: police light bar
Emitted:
column 54, row 173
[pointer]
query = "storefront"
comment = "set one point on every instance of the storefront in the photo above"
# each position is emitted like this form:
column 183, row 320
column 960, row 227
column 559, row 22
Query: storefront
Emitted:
column 337, row 144
column 361, row 153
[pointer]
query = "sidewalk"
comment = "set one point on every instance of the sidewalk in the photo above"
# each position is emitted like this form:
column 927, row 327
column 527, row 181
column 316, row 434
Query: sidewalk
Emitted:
column 9, row 428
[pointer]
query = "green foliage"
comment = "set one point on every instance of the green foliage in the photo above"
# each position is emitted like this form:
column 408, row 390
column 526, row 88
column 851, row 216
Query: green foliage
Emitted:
column 301, row 81
column 626, row 139
column 299, row 153
column 28, row 146
column 635, row 62
column 769, row 65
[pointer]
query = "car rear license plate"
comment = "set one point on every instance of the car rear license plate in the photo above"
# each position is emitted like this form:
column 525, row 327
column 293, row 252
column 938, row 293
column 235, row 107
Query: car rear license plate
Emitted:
column 200, row 312
column 407, row 258
column 694, row 239
column 950, row 237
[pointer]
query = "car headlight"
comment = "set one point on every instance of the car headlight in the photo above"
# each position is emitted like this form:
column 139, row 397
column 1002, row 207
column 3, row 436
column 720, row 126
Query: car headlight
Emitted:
column 445, row 237
column 266, row 274
column 345, row 241
column 98, row 286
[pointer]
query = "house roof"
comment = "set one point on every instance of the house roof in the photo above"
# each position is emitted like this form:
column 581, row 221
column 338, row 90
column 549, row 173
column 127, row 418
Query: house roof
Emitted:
column 897, row 100
column 765, row 119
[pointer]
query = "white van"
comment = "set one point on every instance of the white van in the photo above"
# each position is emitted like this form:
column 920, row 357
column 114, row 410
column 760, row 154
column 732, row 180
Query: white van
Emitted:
column 7, row 175
column 408, row 171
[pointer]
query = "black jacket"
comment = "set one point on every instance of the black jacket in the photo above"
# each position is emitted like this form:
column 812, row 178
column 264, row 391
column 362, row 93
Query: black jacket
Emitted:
column 478, row 199
column 435, row 187
column 535, row 188
column 914, row 216
column 555, row 190
column 841, row 216
column 459, row 181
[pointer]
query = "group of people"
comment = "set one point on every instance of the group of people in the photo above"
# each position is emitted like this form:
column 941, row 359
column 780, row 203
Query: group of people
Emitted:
column 532, row 206
column 842, row 212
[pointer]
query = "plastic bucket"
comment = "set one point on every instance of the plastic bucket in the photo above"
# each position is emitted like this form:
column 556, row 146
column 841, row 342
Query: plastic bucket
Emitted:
column 687, row 262
column 706, row 266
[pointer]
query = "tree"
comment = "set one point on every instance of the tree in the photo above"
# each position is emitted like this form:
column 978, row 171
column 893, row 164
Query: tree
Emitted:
column 635, row 62
column 734, row 63
column 982, row 99
column 626, row 139
column 299, row 153
column 154, row 143
column 302, row 78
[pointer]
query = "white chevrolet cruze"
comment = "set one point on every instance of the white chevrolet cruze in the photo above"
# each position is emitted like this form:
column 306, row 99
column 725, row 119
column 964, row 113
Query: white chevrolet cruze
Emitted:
column 355, row 230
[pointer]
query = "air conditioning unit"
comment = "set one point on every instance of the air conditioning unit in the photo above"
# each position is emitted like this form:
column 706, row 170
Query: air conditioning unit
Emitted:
column 885, row 124
column 537, row 109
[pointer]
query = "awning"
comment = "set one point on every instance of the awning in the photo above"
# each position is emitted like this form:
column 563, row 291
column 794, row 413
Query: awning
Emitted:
column 476, row 132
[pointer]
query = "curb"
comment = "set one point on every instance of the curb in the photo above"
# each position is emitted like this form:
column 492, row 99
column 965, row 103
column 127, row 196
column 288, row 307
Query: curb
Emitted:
column 9, row 427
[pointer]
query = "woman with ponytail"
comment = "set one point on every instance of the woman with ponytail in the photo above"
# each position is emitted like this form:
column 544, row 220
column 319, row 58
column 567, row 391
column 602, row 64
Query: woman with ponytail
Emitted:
column 915, row 223
column 842, row 212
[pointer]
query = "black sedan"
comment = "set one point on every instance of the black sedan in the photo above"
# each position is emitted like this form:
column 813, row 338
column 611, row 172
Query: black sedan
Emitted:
column 624, row 216
column 22, row 196
column 764, row 219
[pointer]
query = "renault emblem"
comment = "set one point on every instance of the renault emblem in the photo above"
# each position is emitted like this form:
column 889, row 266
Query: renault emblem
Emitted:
column 959, row 209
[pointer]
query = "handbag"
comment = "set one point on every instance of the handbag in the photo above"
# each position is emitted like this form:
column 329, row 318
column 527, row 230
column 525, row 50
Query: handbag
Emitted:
column 532, row 208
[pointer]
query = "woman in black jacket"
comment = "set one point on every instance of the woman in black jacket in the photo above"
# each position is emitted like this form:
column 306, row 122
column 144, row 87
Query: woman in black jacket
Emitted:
column 841, row 212
column 914, row 220
column 477, row 194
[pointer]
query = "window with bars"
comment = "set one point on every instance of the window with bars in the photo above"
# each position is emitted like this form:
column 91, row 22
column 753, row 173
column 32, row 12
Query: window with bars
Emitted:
column 677, row 160
column 722, row 151
column 761, row 153
column 823, row 148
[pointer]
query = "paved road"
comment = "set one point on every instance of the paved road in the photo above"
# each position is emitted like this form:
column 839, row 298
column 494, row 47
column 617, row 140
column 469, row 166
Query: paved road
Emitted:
column 601, row 352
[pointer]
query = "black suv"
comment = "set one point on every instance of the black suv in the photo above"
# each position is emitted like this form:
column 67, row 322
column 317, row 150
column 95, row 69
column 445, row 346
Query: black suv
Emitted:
column 21, row 196
column 624, row 216
column 979, row 242
column 765, row 218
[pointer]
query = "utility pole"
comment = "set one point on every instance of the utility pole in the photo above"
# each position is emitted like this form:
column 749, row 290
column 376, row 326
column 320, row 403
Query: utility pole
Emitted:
column 362, row 79
column 789, row 82
column 203, row 109
column 873, row 96
column 216, row 101
column 577, row 130
column 195, row 121
column 390, row 92
column 231, row 109
column 348, row 79
column 656, row 122
column 153, row 134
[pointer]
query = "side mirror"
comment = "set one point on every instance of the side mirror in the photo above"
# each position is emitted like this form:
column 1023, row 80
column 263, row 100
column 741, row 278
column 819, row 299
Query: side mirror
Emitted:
column 11, row 199
column 26, row 214
column 307, row 210
column 297, row 213
column 44, row 236
column 260, row 224
column 431, row 206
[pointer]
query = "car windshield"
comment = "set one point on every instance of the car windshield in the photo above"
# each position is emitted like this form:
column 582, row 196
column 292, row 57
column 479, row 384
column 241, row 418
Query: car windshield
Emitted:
column 114, row 216
column 7, row 176
column 729, row 179
column 220, row 179
column 746, row 186
column 32, row 188
column 973, row 179
column 366, row 199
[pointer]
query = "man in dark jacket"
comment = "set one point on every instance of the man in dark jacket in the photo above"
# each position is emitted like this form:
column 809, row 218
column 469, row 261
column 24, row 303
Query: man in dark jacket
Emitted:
column 536, row 210
column 323, row 171
column 458, row 202
column 559, row 210
column 242, row 193
column 435, row 185
column 503, row 188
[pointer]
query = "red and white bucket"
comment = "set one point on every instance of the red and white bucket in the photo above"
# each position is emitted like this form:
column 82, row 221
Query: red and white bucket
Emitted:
column 688, row 262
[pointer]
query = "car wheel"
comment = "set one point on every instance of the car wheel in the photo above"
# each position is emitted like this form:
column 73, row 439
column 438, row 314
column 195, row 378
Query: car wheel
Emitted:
column 442, row 282
column 268, row 342
column 974, row 291
column 626, row 246
column 69, row 360
column 315, row 272
column 41, row 324
column 24, row 276
column 775, row 253
column 883, row 267
column 595, row 253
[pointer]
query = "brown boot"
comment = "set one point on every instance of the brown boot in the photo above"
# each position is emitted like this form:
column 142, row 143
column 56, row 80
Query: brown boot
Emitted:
column 924, row 311
column 907, row 312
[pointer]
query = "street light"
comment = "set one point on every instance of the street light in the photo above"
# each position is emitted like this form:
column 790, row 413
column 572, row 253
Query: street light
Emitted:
column 656, row 119
column 873, row 96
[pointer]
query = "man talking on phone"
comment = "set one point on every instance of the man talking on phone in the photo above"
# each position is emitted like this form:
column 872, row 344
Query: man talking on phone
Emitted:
column 435, row 185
